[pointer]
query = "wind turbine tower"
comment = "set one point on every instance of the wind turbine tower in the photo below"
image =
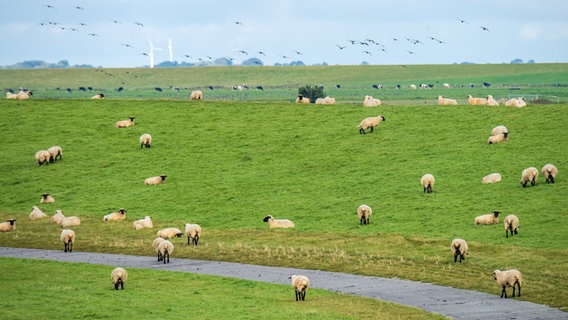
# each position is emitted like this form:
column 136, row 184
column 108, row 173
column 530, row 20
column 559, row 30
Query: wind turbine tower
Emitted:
column 152, row 49
column 171, row 50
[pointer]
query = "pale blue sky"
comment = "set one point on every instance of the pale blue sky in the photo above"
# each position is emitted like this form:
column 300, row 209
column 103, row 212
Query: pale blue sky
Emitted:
column 517, row 29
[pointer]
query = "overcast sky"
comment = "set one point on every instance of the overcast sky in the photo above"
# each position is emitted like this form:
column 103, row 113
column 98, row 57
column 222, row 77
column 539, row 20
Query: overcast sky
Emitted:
column 116, row 33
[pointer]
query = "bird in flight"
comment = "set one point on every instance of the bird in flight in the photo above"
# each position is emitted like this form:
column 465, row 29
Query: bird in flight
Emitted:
column 262, row 53
column 340, row 47
column 48, row 6
column 484, row 28
column 462, row 21
column 367, row 52
column 238, row 22
column 138, row 23
column 243, row 52
column 127, row 45
column 298, row 52
column 79, row 8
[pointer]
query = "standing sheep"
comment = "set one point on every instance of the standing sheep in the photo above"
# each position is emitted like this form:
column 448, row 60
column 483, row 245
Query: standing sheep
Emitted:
column 278, row 223
column 119, row 276
column 529, row 174
column 427, row 182
column 370, row 122
column 491, row 178
column 511, row 223
column 364, row 212
column 118, row 215
column 125, row 123
column 37, row 214
column 156, row 246
column 155, row 180
column 46, row 198
column 145, row 140
column 143, row 223
column 193, row 233
column 166, row 249
column 43, row 156
column 57, row 217
column 169, row 233
column 301, row 284
column 445, row 101
column 549, row 171
column 8, row 225
column 508, row 278
column 369, row 101
column 55, row 152
column 196, row 95
column 70, row 222
column 459, row 248
column 67, row 238
column 490, row 218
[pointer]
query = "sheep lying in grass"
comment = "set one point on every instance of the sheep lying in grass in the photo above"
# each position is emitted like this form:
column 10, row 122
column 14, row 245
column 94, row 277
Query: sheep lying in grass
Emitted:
column 446, row 101
column 459, row 248
column 515, row 102
column 511, row 223
column 529, row 174
column 37, row 214
column 491, row 178
column 549, row 171
column 46, row 198
column 490, row 218
column 370, row 122
column 70, row 222
column 508, row 278
column 169, row 233
column 125, row 123
column 67, row 238
column 427, row 182
column 119, row 276
column 145, row 140
column 43, row 156
column 155, row 180
column 498, row 138
column 364, row 212
column 193, row 233
column 196, row 95
column 143, row 223
column 302, row 99
column 369, row 101
column 301, row 284
column 55, row 152
column 491, row 101
column 166, row 248
column 326, row 100
column 278, row 223
column 476, row 101
column 156, row 246
column 57, row 217
column 24, row 95
column 118, row 215
column 98, row 96
column 8, row 225
column 10, row 95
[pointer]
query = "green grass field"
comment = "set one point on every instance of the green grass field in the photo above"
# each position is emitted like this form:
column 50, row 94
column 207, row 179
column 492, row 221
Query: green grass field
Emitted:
column 230, row 163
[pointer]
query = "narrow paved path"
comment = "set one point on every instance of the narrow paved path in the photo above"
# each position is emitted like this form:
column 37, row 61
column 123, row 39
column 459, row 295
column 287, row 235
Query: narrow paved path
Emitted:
column 448, row 301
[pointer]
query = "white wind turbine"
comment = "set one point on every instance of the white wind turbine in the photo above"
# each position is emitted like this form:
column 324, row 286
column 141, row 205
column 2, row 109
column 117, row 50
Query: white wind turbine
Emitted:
column 171, row 50
column 152, row 49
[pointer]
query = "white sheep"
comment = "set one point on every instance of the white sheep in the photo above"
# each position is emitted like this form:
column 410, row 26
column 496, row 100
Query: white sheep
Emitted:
column 43, row 156
column 511, row 223
column 155, row 180
column 476, row 101
column 459, row 248
column 412, row 86
column 498, row 138
column 57, row 217
column 278, row 223
column 24, row 95
column 46, row 198
column 70, row 222
column 364, row 212
column 491, row 101
column 114, row 216
column 549, row 171
column 369, row 101
column 67, row 238
column 508, row 278
column 55, row 152
column 193, row 233
column 427, row 182
column 145, row 140
column 98, row 96
column 446, row 101
column 326, row 100
column 166, row 249
column 8, row 225
column 301, row 99
column 169, row 233
column 196, row 95
column 490, row 218
column 125, row 123
column 301, row 284
column 143, row 223
column 446, row 85
column 10, row 95
column 156, row 246
column 37, row 214
column 529, row 174
column 499, row 130
column 491, row 178
column 370, row 122
column 119, row 276
column 515, row 102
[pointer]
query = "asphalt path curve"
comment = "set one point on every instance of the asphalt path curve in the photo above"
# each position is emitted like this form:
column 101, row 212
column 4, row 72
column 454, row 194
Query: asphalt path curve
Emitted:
column 448, row 301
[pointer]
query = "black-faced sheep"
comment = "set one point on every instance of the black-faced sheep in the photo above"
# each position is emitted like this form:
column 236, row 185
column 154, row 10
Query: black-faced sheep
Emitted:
column 370, row 122
column 169, row 233
column 364, row 213
column 24, row 95
column 511, row 223
column 301, row 284
column 166, row 249
column 55, row 152
column 490, row 218
column 278, row 223
column 125, row 123
column 499, row 130
column 193, row 233
column 37, row 214
column 143, row 223
column 529, row 174
column 43, row 156
column 46, row 198
column 508, row 278
column 549, row 171
column 67, row 238
column 98, row 96
column 196, row 95
column 498, row 138
column 119, row 276
column 118, row 215
column 302, row 99
column 8, row 225
column 459, row 248
column 155, row 180
column 427, row 182
column 156, row 246
column 145, row 140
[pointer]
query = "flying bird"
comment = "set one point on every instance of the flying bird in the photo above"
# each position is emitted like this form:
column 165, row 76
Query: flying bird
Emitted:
column 79, row 8
column 484, row 28
column 340, row 47
column 298, row 52
column 410, row 52
column 83, row 24
column 262, row 53
column 127, row 45
column 93, row 35
column 242, row 51
column 48, row 6
column 238, row 22
column 115, row 21
column 139, row 24
column 462, row 21
column 367, row 52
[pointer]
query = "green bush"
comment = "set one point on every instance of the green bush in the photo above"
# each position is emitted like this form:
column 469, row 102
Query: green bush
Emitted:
column 311, row 92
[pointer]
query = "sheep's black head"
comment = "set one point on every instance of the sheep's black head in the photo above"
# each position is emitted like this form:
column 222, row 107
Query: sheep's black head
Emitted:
column 383, row 118
column 45, row 195
column 178, row 235
column 131, row 118
column 122, row 211
column 101, row 95
column 505, row 134
column 496, row 213
column 12, row 221
column 268, row 217
column 163, row 177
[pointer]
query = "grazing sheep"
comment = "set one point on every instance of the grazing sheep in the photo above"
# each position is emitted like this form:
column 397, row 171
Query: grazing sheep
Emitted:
column 196, row 95
column 67, row 238
column 370, row 122
column 529, row 174
column 119, row 277
column 278, row 223
column 515, row 102
column 155, row 180
column 24, row 95
column 125, row 123
column 508, row 278
column 57, row 217
column 143, row 223
column 169, row 233
column 364, row 212
column 98, row 96
column 43, row 156
column 145, row 140
column 459, row 248
column 490, row 218
column 118, row 215
column 156, row 246
column 193, row 233
column 37, row 214
column 8, row 225
column 166, row 249
column 491, row 101
column 511, row 223
column 476, row 101
column 371, row 102
column 301, row 284
column 445, row 101
column 549, row 171
column 499, row 130
column 70, row 222
column 46, row 198
column 302, row 99
column 491, row 178
column 55, row 152
column 427, row 182
column 498, row 138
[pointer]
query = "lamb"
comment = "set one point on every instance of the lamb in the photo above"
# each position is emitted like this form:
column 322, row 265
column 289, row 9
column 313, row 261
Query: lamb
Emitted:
column 515, row 102
column 508, row 278
column 118, row 215
column 143, row 223
column 498, row 138
column 278, row 223
column 193, row 233
column 445, row 101
column 145, row 140
column 119, row 276
column 459, row 248
column 46, row 198
column 491, row 101
column 549, row 171
column 169, row 233
column 57, row 217
column 24, row 95
column 98, row 96
column 491, row 178
column 125, row 123
column 370, row 122
column 155, row 180
column 529, row 174
column 196, row 95
column 55, row 152
column 301, row 284
column 37, row 214
column 70, row 222
column 511, row 223
column 364, row 212
column 476, row 101
column 8, row 225
column 427, row 182
column 302, row 99
column 166, row 248
column 43, row 156
column 490, row 218
column 156, row 246
column 68, row 238
column 371, row 102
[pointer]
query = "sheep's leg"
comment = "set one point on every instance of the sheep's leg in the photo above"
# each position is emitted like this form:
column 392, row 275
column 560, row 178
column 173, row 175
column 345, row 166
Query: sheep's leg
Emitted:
column 456, row 257
column 504, row 292
column 519, row 289
column 372, row 129
column 71, row 247
column 551, row 179
column 303, row 293
column 188, row 238
column 121, row 285
column 116, row 286
column 297, row 295
column 361, row 131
